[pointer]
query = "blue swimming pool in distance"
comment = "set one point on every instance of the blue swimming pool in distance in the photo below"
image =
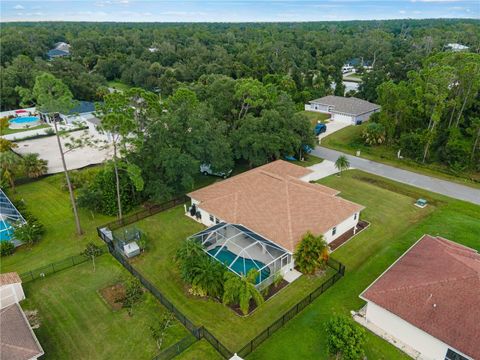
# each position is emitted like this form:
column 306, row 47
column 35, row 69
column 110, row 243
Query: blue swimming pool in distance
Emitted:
column 227, row 257
column 24, row 120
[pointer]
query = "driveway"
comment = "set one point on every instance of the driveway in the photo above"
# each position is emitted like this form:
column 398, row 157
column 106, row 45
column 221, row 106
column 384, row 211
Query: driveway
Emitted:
column 332, row 126
column 324, row 169
column 47, row 148
column 429, row 183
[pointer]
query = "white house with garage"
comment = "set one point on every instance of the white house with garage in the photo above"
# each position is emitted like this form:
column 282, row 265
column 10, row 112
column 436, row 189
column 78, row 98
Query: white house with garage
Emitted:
column 428, row 302
column 267, row 211
column 349, row 110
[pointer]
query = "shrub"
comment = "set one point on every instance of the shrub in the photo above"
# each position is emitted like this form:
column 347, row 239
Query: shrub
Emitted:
column 28, row 233
column 411, row 145
column 310, row 253
column 374, row 134
column 345, row 339
column 33, row 166
column 6, row 248
column 133, row 294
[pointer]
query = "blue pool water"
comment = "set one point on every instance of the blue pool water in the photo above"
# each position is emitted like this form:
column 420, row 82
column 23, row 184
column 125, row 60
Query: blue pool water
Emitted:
column 227, row 257
column 24, row 120
column 6, row 232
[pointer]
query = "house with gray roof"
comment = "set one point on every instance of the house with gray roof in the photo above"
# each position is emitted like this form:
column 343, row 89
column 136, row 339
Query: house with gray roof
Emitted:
column 349, row 110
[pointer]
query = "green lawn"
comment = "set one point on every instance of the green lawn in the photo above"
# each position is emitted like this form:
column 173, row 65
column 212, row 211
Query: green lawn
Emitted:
column 315, row 117
column 308, row 161
column 50, row 204
column 166, row 231
column 201, row 350
column 8, row 131
column 76, row 322
column 349, row 141
column 396, row 225
column 118, row 85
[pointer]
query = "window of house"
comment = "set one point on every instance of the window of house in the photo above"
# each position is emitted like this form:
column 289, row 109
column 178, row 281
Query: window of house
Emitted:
column 355, row 216
column 212, row 219
column 453, row 355
column 334, row 230
column 217, row 221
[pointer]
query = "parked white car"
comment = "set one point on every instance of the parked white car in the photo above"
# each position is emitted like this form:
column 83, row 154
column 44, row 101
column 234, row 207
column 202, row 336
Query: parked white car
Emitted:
column 206, row 169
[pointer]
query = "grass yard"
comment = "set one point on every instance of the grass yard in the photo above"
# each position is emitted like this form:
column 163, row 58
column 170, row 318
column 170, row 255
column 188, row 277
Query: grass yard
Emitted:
column 315, row 117
column 201, row 350
column 349, row 141
column 76, row 322
column 51, row 205
column 7, row 131
column 118, row 85
column 166, row 231
column 396, row 225
column 309, row 161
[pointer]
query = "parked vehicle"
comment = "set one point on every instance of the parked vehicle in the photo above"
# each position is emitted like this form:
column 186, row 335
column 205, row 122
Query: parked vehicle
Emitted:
column 290, row 158
column 206, row 169
column 307, row 149
column 320, row 128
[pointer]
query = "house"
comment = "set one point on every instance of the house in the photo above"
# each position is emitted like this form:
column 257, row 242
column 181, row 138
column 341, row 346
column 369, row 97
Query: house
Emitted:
column 262, row 214
column 428, row 301
column 82, row 111
column 456, row 47
column 349, row 110
column 60, row 49
column 17, row 339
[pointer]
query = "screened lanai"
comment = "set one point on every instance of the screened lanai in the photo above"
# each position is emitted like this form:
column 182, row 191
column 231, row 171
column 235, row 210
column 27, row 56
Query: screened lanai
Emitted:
column 8, row 216
column 241, row 249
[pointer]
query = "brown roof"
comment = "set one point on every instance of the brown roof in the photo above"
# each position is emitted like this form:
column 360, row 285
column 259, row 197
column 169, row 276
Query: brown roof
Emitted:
column 435, row 286
column 9, row 278
column 17, row 340
column 273, row 202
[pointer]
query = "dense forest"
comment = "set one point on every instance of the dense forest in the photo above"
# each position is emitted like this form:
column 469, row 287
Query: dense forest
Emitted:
column 247, row 82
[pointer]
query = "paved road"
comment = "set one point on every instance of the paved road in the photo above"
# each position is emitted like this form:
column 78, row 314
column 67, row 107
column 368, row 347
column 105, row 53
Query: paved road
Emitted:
column 443, row 187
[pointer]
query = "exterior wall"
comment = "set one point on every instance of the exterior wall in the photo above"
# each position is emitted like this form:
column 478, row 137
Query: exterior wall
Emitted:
column 11, row 294
column 429, row 347
column 205, row 220
column 343, row 227
column 366, row 116
column 317, row 108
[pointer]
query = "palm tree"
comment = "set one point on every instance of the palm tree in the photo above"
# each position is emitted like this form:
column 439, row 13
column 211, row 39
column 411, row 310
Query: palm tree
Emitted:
column 310, row 253
column 208, row 277
column 241, row 289
column 187, row 257
column 34, row 166
column 9, row 165
column 7, row 145
column 342, row 163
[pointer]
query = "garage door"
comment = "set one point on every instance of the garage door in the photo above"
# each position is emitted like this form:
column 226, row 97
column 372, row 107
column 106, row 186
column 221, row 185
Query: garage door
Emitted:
column 342, row 118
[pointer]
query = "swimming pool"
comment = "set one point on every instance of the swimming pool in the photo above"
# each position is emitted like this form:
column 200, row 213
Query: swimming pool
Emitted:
column 6, row 230
column 24, row 121
column 227, row 257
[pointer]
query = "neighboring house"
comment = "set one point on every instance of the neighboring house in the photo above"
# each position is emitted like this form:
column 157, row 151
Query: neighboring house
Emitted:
column 17, row 339
column 429, row 301
column 80, row 113
column 349, row 110
column 60, row 49
column 274, row 206
column 456, row 47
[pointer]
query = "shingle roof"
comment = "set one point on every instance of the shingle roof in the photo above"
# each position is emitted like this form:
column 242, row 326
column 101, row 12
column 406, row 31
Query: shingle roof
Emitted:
column 17, row 340
column 347, row 105
column 9, row 278
column 272, row 201
column 435, row 286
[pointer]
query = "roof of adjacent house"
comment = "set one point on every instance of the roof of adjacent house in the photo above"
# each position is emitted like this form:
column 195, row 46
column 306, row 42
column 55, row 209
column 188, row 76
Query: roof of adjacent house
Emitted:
column 57, row 52
column 9, row 278
column 435, row 286
column 347, row 105
column 272, row 201
column 17, row 340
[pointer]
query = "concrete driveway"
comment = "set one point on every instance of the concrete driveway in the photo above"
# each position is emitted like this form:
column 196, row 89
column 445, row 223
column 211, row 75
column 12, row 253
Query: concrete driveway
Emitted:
column 332, row 126
column 324, row 169
column 47, row 148
column 429, row 183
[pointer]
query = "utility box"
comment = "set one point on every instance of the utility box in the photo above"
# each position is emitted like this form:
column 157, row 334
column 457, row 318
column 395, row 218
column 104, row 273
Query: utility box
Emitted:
column 131, row 249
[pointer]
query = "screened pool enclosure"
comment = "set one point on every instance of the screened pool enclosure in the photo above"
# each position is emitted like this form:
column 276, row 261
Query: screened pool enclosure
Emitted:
column 241, row 250
column 8, row 216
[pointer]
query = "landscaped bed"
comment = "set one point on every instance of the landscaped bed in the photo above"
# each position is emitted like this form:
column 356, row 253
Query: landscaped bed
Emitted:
column 77, row 322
